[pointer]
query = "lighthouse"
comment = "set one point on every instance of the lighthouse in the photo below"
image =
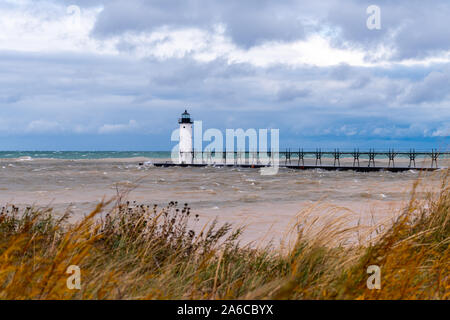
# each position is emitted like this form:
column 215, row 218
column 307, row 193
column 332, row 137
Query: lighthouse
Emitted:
column 185, row 146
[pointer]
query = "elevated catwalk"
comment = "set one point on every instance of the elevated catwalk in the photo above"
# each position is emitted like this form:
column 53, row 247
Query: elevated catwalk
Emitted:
column 306, row 167
column 332, row 160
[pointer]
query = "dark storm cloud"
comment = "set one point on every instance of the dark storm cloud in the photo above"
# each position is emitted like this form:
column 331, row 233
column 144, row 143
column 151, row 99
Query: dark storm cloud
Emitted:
column 412, row 29
column 76, row 94
column 247, row 22
column 72, row 94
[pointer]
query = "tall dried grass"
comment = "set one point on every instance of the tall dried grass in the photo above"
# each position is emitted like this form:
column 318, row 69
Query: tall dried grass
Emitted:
column 140, row 252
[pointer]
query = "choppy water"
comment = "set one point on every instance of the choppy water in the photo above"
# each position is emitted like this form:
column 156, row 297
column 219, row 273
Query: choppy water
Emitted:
column 77, row 155
column 232, row 194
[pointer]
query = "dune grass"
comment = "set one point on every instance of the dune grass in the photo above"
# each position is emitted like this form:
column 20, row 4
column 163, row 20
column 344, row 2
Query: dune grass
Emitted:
column 128, row 251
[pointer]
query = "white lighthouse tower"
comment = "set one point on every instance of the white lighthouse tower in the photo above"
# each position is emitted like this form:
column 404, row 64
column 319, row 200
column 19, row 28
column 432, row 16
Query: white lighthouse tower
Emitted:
column 185, row 146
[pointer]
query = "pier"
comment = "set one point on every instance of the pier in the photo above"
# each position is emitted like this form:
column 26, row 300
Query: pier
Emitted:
column 319, row 159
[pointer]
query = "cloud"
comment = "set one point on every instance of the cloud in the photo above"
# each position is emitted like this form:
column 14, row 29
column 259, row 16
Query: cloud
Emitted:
column 118, row 128
column 257, row 32
column 434, row 87
column 308, row 69
column 248, row 23
column 93, row 94
column 43, row 126
column 292, row 93
column 443, row 131
column 409, row 30
column 48, row 26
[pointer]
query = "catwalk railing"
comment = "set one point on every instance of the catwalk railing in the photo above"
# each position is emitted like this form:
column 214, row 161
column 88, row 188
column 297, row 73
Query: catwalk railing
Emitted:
column 297, row 157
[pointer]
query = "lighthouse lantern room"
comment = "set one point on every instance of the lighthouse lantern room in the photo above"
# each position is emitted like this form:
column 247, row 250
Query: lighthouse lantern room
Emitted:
column 185, row 147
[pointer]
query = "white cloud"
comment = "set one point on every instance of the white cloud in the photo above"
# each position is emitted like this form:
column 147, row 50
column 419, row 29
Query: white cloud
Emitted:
column 43, row 126
column 118, row 128
column 442, row 132
column 51, row 27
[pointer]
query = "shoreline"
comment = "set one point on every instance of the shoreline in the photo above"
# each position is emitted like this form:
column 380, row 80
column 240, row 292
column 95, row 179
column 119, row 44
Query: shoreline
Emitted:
column 237, row 195
column 139, row 250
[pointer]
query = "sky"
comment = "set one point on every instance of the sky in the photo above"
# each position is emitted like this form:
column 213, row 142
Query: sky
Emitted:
column 116, row 75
